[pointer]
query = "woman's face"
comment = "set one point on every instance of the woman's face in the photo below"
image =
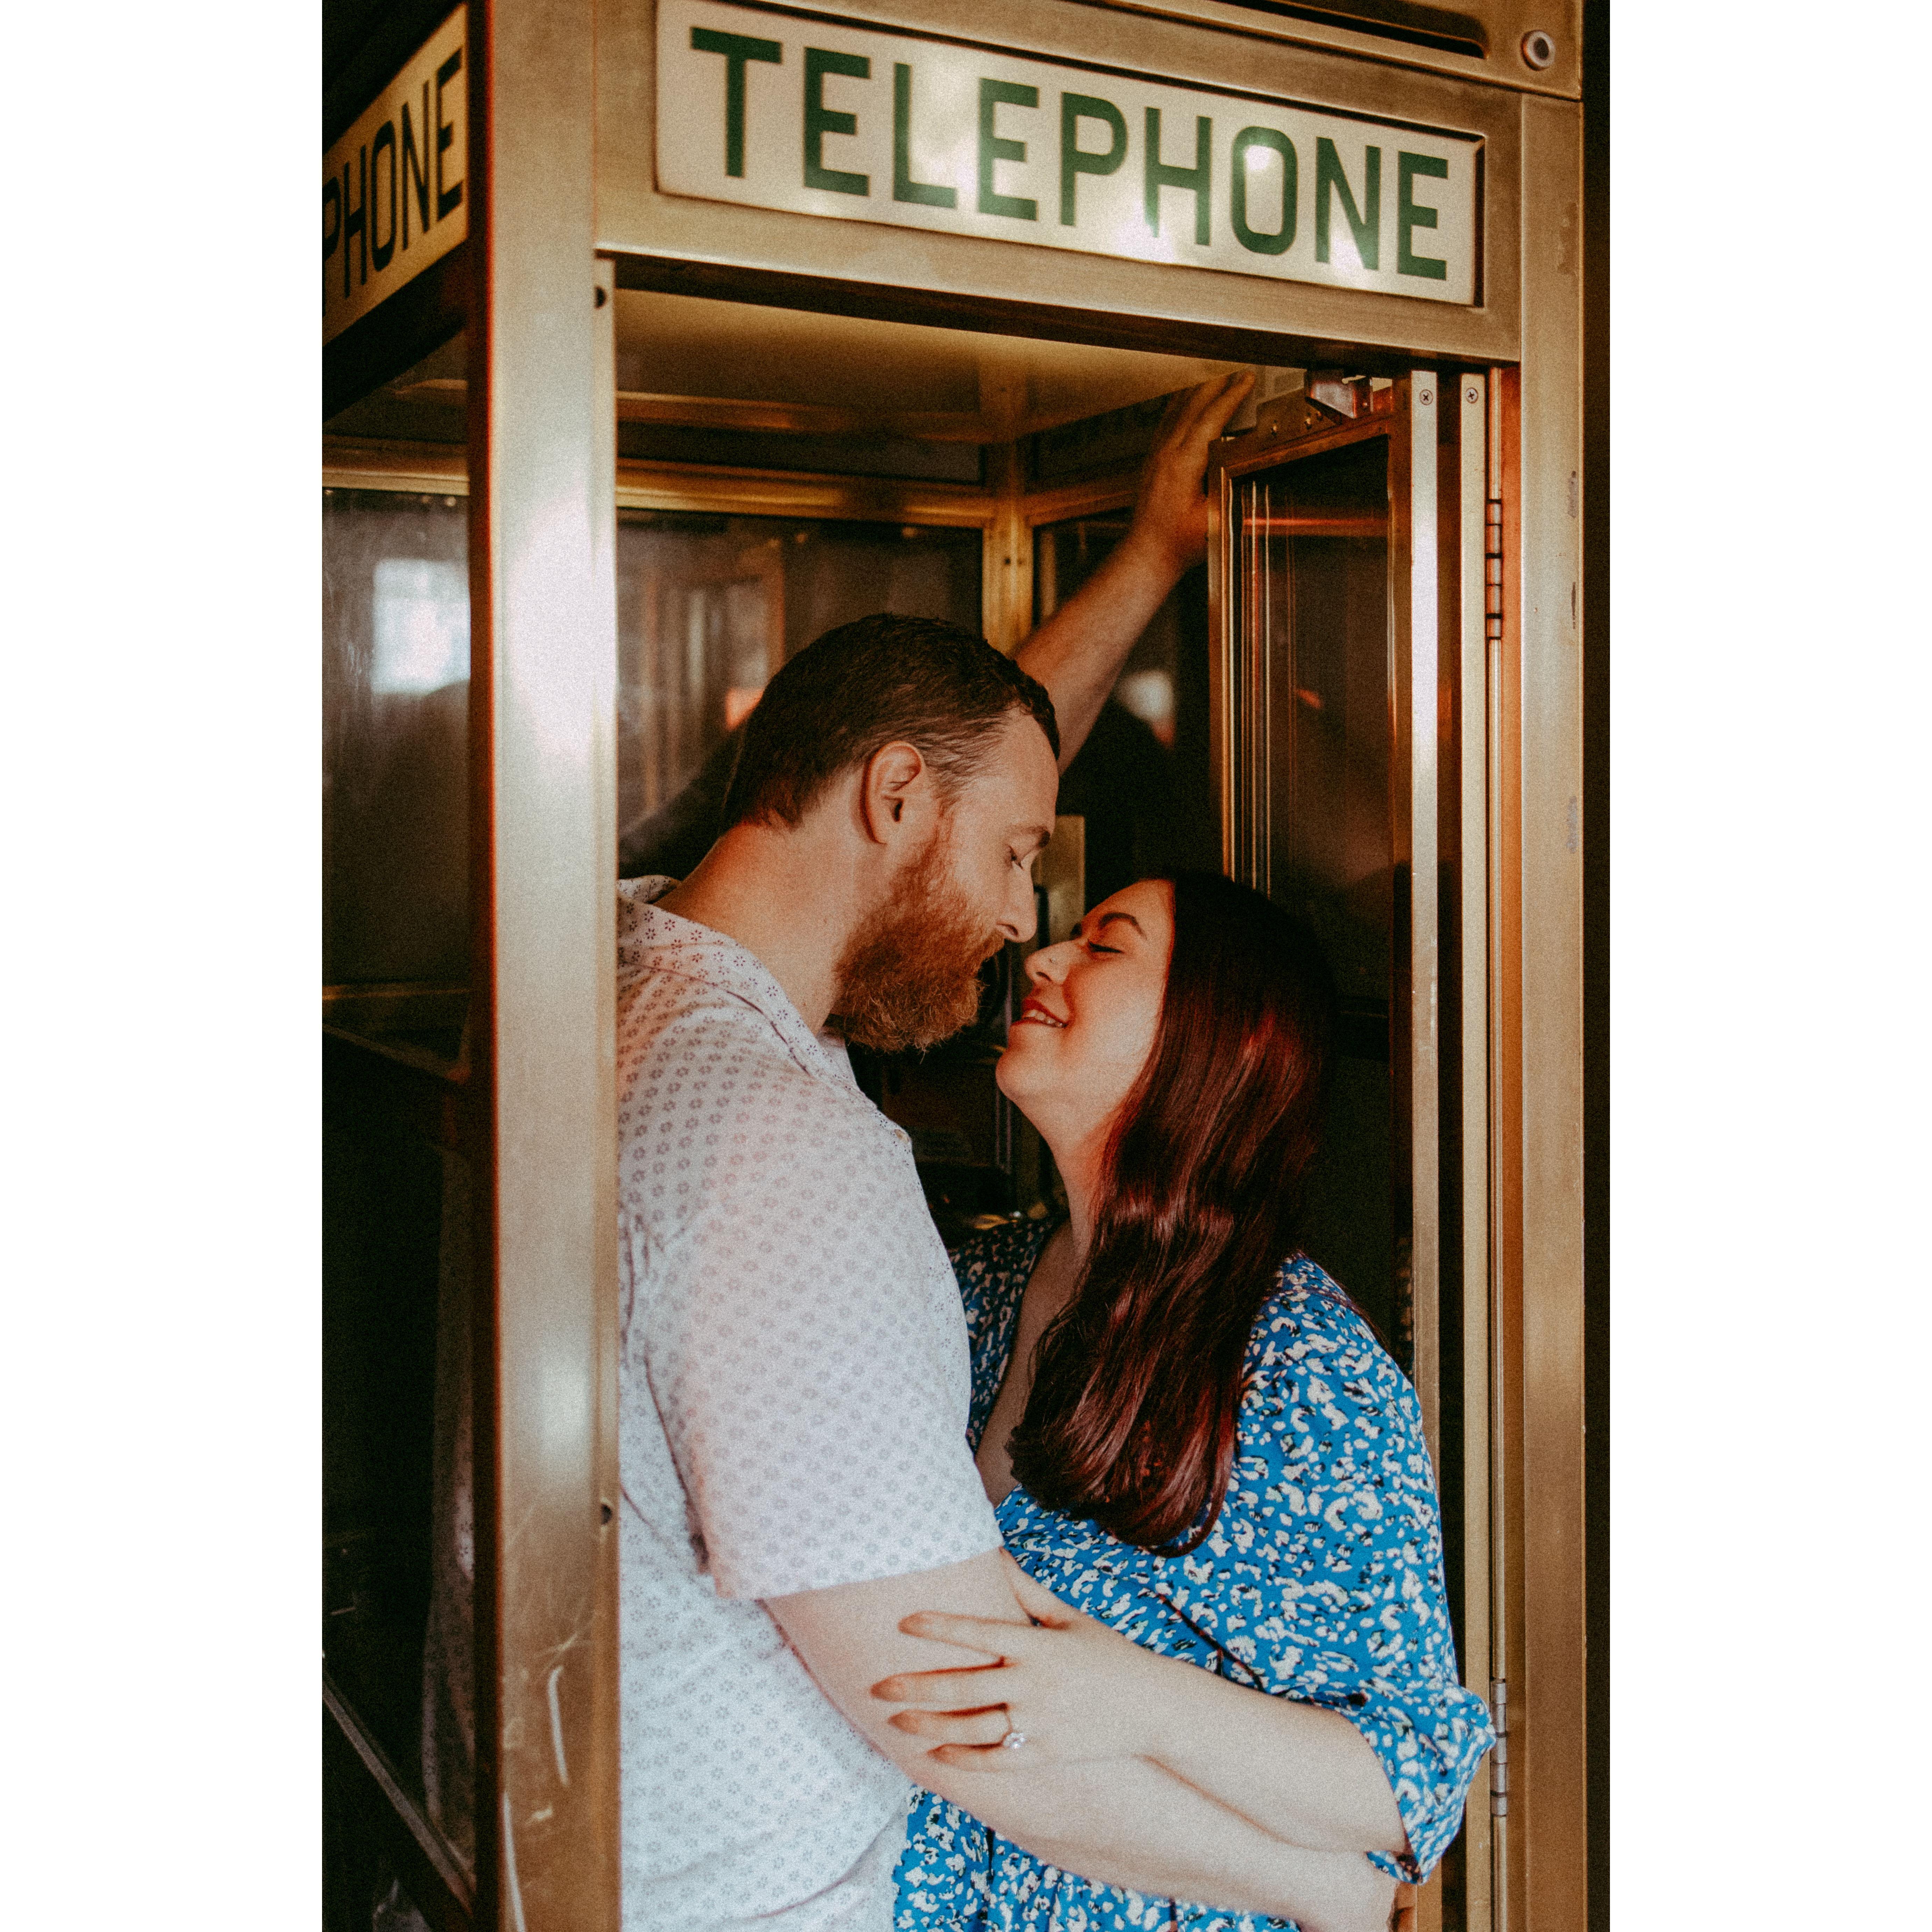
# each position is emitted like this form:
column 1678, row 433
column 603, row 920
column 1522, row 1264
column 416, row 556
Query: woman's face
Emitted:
column 1088, row 1025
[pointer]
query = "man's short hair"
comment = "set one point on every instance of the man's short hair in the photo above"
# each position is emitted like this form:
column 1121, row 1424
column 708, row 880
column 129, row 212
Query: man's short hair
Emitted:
column 880, row 680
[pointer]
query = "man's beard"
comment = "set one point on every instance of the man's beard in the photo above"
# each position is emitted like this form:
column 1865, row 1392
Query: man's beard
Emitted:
column 909, row 975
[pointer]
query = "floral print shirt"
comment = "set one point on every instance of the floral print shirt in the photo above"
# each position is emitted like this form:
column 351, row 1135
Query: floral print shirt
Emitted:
column 1321, row 1580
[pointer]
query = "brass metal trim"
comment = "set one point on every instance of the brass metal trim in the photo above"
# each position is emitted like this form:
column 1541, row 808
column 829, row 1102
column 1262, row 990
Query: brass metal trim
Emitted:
column 424, row 469
column 1503, row 23
column 1472, row 900
column 1506, row 1152
column 1065, row 501
column 742, row 413
column 1425, row 418
column 684, row 244
column 433, row 470
column 773, row 493
column 542, row 694
column 1547, row 1687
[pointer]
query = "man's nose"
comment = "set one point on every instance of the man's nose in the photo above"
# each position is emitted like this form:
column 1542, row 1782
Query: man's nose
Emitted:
column 1022, row 921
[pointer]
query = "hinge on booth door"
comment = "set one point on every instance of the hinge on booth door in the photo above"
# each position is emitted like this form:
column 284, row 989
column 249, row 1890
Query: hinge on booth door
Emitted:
column 1492, row 567
column 1350, row 396
column 1499, row 1756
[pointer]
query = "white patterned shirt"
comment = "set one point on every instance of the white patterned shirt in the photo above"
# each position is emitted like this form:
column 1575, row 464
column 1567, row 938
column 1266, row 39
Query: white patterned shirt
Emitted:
column 793, row 1388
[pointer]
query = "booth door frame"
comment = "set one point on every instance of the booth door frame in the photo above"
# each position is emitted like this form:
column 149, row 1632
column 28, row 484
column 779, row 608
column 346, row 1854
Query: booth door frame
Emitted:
column 1443, row 489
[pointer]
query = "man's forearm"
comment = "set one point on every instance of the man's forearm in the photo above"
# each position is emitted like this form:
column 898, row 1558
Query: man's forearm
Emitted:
column 1127, row 1822
column 1077, row 652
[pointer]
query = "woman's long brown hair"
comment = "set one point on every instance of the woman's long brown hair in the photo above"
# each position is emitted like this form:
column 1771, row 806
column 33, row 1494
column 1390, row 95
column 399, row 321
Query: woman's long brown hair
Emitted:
column 1131, row 1421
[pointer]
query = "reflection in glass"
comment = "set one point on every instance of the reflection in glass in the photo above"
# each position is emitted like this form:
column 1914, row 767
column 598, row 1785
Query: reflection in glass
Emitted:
column 395, row 765
column 398, row 1565
column 1317, row 533
column 1312, row 556
column 1140, row 782
column 708, row 607
column 422, row 625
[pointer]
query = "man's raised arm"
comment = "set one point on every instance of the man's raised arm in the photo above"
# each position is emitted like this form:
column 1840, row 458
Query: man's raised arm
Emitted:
column 1118, row 1821
column 1077, row 652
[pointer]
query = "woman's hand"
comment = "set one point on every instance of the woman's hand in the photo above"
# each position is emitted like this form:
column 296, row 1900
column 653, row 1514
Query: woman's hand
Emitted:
column 1071, row 1687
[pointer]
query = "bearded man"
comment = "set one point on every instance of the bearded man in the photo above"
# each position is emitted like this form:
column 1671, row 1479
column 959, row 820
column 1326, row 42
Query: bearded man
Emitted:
column 793, row 1370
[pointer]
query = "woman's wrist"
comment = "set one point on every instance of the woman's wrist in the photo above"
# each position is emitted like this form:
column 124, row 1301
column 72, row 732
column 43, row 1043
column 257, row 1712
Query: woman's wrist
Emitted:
column 1169, row 1708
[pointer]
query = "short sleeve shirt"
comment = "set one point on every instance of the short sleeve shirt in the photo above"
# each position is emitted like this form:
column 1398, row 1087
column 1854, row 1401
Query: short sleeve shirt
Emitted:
column 794, row 1384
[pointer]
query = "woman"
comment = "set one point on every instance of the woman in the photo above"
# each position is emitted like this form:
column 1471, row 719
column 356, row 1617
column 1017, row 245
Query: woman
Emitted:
column 1193, row 1441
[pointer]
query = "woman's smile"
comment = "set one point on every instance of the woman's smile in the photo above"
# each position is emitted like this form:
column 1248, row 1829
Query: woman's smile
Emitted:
column 1034, row 1012
column 1105, row 983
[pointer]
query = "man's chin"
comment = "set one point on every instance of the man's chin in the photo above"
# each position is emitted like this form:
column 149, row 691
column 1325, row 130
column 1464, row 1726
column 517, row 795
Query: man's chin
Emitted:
column 915, row 1028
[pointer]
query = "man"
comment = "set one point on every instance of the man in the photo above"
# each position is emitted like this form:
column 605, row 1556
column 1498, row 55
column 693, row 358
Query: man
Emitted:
column 794, row 1367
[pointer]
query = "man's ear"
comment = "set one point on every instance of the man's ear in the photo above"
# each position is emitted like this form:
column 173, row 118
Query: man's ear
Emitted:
column 895, row 789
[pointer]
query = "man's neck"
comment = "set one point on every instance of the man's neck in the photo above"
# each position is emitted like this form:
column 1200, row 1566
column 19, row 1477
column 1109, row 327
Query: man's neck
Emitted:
column 787, row 897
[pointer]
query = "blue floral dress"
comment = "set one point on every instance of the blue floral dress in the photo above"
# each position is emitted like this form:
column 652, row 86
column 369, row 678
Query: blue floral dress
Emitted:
column 1321, row 1580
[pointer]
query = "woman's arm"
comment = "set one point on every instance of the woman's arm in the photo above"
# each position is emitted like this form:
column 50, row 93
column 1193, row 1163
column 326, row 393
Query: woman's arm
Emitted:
column 1134, row 1818
column 1080, row 1693
column 1323, row 1578
column 1131, row 1824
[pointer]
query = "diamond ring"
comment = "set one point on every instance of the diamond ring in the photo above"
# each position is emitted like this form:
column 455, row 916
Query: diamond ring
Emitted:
column 1013, row 1741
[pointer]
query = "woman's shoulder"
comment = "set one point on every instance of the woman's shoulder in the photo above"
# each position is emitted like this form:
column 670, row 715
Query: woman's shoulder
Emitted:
column 990, row 1258
column 1309, row 1327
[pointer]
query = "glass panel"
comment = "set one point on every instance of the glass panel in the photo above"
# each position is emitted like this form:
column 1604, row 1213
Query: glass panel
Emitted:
column 1142, row 780
column 708, row 607
column 1314, row 559
column 397, row 1565
column 395, row 763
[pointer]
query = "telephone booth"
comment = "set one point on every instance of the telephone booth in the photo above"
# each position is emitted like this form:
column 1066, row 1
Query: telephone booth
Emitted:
column 660, row 337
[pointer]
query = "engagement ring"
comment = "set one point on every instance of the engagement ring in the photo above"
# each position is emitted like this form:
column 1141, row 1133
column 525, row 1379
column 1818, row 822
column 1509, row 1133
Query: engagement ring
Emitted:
column 1013, row 1741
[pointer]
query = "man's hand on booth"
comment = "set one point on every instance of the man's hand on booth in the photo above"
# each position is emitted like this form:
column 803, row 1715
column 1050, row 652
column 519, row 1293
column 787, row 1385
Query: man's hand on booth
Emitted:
column 1077, row 652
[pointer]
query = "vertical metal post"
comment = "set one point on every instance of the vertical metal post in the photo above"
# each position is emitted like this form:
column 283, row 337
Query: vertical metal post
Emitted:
column 1548, row 1687
column 1473, row 686
column 543, row 687
column 1258, row 799
column 1424, row 875
column 1502, row 898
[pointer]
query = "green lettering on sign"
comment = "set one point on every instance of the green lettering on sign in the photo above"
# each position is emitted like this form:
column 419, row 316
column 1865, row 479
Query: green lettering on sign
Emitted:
column 820, row 120
column 1075, row 161
column 994, row 95
column 737, row 49
column 1260, row 241
column 904, row 188
column 1329, row 179
column 1197, row 180
column 1408, row 216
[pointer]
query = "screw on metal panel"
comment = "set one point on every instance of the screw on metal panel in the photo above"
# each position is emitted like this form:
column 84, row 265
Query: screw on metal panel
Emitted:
column 1471, row 396
column 1428, row 395
column 1538, row 50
